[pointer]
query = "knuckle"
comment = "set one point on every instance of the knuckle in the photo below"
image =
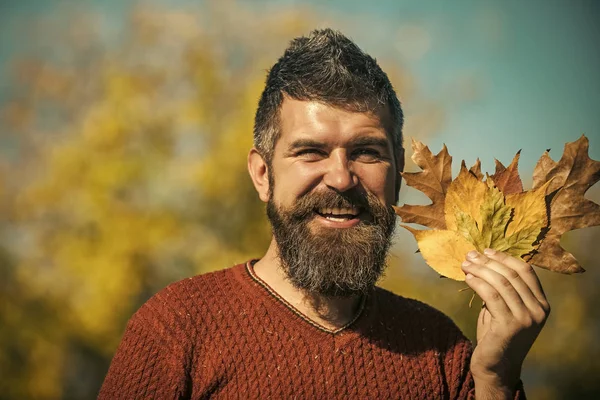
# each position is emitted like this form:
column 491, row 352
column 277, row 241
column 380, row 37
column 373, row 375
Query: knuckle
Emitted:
column 527, row 268
column 486, row 261
column 512, row 274
column 539, row 315
column 526, row 321
column 505, row 282
column 495, row 296
column 546, row 307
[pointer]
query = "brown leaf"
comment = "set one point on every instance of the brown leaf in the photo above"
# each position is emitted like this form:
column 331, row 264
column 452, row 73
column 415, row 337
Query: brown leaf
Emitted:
column 476, row 170
column 543, row 166
column 507, row 178
column 568, row 180
column 433, row 180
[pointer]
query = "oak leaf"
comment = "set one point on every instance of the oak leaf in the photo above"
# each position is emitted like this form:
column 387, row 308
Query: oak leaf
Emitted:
column 497, row 213
column 568, row 180
column 507, row 178
column 433, row 180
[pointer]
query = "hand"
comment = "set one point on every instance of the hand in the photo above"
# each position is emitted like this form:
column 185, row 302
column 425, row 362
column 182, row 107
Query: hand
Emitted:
column 514, row 313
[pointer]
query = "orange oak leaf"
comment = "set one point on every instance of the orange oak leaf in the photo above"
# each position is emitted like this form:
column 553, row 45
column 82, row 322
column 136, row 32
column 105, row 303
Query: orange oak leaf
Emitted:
column 567, row 180
column 433, row 180
column 507, row 179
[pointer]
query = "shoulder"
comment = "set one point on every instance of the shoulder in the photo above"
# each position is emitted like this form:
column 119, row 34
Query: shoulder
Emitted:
column 390, row 302
column 183, row 304
column 415, row 316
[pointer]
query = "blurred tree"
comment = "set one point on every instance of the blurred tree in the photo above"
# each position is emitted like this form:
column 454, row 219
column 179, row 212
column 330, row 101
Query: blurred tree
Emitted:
column 124, row 170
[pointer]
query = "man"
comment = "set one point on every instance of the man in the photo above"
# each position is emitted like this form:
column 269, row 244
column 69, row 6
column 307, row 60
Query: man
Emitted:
column 306, row 320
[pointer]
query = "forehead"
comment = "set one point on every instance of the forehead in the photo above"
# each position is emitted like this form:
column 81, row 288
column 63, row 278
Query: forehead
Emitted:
column 319, row 121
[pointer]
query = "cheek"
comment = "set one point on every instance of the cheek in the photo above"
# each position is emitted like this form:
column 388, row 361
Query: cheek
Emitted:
column 381, row 182
column 294, row 181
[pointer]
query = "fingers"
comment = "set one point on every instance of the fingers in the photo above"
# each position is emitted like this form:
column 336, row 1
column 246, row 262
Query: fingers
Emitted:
column 525, row 271
column 494, row 301
column 499, row 278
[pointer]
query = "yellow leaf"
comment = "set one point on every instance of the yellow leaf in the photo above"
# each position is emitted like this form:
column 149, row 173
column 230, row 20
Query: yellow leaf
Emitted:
column 443, row 250
column 530, row 209
column 467, row 228
column 465, row 194
column 519, row 243
column 494, row 217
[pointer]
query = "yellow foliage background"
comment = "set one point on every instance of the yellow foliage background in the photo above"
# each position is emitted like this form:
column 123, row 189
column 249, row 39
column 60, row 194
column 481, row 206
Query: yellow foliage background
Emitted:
column 123, row 168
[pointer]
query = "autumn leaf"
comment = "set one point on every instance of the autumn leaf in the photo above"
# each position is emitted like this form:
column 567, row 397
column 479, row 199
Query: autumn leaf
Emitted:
column 507, row 178
column 567, row 180
column 465, row 193
column 497, row 213
column 433, row 180
column 476, row 170
column 441, row 248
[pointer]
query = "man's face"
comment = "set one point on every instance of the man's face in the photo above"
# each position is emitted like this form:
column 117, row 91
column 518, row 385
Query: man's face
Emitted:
column 332, row 182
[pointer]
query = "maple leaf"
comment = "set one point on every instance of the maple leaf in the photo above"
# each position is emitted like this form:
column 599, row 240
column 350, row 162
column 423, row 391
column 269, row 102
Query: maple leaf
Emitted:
column 441, row 248
column 497, row 213
column 465, row 193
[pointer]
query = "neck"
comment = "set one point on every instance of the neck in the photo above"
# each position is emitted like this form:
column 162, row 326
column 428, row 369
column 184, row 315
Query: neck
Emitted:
column 331, row 313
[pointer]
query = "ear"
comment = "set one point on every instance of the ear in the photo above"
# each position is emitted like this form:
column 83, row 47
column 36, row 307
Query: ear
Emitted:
column 259, row 173
column 399, row 169
column 400, row 161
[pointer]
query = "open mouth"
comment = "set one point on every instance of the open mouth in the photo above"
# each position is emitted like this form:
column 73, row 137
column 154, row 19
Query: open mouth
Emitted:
column 338, row 214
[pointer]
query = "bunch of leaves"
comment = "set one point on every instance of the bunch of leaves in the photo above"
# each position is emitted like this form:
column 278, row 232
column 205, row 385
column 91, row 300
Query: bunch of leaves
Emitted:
column 470, row 213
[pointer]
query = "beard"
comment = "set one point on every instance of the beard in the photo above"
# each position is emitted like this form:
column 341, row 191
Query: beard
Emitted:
column 333, row 262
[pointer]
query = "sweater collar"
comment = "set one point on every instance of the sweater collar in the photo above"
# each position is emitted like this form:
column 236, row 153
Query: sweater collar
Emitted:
column 249, row 271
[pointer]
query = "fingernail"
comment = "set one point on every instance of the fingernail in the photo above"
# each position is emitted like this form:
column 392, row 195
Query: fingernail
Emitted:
column 466, row 263
column 489, row 252
column 469, row 276
column 472, row 254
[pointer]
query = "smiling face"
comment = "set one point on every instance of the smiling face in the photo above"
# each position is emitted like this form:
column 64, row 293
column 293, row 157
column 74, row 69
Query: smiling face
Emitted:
column 329, row 189
column 323, row 147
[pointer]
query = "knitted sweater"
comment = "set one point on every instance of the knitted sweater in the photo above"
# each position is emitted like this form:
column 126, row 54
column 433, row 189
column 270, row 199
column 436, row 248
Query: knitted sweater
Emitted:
column 228, row 335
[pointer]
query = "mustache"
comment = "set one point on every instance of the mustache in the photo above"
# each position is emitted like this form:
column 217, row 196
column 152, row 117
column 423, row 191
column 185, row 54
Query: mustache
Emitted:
column 306, row 205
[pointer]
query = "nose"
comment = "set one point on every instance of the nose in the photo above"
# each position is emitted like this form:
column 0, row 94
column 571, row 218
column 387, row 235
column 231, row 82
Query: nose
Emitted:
column 339, row 175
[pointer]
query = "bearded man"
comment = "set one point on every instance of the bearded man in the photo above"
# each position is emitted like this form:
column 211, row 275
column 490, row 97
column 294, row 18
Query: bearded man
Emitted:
column 306, row 320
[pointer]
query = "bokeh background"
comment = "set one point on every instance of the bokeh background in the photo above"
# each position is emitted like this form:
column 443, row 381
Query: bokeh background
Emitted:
column 123, row 138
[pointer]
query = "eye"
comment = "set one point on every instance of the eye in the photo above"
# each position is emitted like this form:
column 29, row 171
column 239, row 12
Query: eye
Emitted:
column 367, row 154
column 311, row 154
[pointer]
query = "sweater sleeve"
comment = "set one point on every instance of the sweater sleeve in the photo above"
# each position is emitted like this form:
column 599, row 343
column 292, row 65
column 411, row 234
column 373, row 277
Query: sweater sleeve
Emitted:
column 458, row 375
column 154, row 356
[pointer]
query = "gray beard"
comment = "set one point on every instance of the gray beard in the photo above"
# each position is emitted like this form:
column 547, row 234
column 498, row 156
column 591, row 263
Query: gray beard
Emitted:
column 332, row 262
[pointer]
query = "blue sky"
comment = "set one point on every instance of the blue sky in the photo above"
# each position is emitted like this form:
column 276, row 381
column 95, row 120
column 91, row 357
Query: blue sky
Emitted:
column 536, row 64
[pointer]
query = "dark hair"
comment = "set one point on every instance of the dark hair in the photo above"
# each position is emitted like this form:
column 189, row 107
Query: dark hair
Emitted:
column 328, row 67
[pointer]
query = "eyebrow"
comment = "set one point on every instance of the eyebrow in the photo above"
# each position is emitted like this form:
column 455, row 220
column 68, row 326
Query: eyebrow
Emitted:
column 300, row 143
column 369, row 141
column 360, row 141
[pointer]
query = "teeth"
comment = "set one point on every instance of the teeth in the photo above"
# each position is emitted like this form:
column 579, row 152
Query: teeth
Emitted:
column 339, row 211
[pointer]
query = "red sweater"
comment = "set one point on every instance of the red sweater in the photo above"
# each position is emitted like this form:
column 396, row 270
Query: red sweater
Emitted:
column 228, row 335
